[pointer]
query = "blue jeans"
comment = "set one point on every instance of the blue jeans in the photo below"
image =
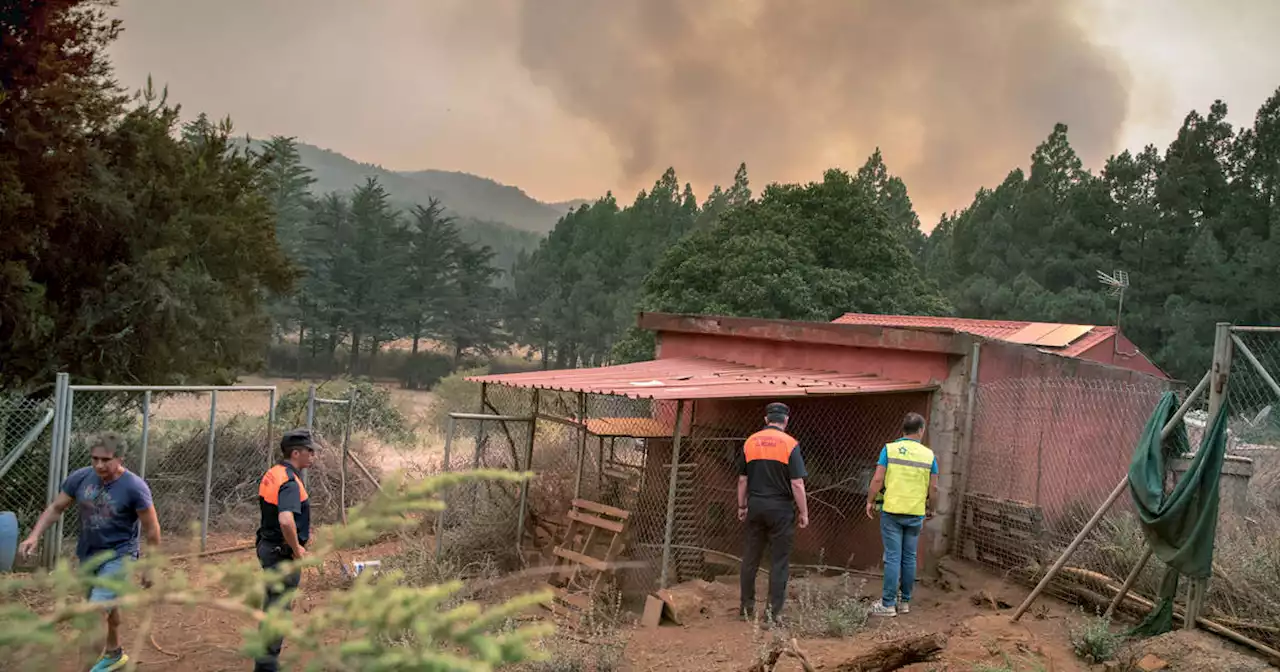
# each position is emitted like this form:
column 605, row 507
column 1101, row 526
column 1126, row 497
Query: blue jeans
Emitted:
column 900, row 535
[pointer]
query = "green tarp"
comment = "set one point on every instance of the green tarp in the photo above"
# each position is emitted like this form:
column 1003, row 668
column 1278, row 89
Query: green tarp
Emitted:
column 1179, row 525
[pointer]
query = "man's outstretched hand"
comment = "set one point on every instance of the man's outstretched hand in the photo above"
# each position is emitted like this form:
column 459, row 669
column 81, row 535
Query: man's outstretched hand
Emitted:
column 28, row 547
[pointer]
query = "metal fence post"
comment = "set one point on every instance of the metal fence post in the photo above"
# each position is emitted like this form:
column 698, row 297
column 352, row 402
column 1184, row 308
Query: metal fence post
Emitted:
column 208, row 471
column 63, row 461
column 146, row 430
column 271, row 423
column 448, row 444
column 671, row 495
column 482, row 439
column 524, row 486
column 311, row 419
column 346, row 446
column 582, row 444
column 1220, row 372
column 48, row 556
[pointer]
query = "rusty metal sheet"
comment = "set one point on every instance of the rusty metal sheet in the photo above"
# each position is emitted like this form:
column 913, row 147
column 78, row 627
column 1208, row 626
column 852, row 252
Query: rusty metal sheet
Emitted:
column 699, row 378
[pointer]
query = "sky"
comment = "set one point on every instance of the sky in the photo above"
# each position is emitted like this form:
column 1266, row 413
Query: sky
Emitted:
column 572, row 98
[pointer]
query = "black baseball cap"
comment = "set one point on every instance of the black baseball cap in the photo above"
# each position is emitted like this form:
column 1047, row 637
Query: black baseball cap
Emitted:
column 777, row 408
column 298, row 438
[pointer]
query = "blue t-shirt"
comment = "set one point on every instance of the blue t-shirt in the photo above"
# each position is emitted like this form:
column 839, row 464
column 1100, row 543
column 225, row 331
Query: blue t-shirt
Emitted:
column 884, row 460
column 108, row 511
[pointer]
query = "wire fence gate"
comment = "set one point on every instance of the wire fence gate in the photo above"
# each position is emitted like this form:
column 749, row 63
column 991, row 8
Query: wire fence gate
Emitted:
column 201, row 449
column 1047, row 499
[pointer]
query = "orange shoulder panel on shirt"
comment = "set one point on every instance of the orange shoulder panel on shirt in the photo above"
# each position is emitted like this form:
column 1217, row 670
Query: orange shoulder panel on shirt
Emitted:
column 769, row 444
column 269, row 487
column 302, row 490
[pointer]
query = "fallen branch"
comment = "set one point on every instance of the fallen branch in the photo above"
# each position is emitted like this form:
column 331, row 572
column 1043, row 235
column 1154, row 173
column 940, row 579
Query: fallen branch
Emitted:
column 896, row 654
column 792, row 649
column 365, row 470
column 220, row 551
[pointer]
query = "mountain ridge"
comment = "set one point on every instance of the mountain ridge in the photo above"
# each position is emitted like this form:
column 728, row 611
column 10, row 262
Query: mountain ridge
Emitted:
column 463, row 194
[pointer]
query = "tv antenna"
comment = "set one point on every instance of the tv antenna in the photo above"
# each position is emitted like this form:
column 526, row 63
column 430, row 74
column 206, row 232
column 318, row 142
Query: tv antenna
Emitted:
column 1118, row 281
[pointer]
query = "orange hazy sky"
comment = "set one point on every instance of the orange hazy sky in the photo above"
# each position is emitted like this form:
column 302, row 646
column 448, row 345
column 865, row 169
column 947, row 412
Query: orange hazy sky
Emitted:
column 568, row 99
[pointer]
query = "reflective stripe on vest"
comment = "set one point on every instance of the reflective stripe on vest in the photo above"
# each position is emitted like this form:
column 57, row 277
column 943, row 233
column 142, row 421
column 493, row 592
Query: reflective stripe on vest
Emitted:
column 906, row 478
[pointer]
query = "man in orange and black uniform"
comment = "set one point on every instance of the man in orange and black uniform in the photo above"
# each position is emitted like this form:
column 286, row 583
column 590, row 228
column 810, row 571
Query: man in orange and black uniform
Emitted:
column 771, row 477
column 286, row 523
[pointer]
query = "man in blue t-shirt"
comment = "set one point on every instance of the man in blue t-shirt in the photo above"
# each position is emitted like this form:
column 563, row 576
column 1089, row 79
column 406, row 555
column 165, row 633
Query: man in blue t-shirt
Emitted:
column 112, row 503
column 906, row 486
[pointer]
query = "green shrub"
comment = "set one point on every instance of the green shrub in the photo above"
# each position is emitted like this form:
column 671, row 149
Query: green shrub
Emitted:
column 453, row 393
column 1095, row 642
column 834, row 610
column 374, row 413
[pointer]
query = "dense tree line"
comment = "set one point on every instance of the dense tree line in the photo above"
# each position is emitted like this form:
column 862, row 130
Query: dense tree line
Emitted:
column 798, row 251
column 372, row 274
column 139, row 249
column 1197, row 228
column 131, row 252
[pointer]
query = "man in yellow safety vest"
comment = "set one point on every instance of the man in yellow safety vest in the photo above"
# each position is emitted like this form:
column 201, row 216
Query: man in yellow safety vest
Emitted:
column 908, row 473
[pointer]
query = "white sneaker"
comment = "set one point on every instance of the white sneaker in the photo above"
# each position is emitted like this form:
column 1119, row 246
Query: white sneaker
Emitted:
column 904, row 607
column 878, row 609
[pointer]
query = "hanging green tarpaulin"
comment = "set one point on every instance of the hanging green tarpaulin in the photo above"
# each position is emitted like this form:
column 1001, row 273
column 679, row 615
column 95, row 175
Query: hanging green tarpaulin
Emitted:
column 1180, row 525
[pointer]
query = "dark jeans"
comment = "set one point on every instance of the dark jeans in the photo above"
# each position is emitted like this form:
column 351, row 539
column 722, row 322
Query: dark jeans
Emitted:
column 270, row 555
column 776, row 525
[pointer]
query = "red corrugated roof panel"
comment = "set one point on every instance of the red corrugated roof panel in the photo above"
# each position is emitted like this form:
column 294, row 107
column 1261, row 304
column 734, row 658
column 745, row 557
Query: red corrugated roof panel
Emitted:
column 998, row 329
column 698, row 378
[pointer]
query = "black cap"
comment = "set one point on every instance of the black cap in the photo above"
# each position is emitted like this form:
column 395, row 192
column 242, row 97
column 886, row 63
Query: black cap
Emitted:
column 298, row 438
column 777, row 408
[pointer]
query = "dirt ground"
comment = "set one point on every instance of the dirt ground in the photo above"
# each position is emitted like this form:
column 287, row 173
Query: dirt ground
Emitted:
column 980, row 638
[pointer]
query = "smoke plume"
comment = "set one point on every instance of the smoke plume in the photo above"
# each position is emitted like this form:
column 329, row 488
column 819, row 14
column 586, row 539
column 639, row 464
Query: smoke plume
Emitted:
column 956, row 92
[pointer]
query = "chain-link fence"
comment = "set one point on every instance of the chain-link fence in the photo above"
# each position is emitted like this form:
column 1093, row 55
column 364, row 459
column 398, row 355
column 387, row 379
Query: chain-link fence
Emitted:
column 1047, row 454
column 24, row 456
column 682, row 523
column 202, row 451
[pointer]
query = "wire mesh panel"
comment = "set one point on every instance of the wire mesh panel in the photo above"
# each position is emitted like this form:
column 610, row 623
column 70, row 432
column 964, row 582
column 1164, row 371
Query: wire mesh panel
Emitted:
column 25, row 442
column 481, row 518
column 1045, row 455
column 199, row 480
column 1244, row 591
column 331, row 488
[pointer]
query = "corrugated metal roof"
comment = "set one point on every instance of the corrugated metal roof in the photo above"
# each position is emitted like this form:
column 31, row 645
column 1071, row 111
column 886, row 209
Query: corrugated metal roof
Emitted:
column 699, row 378
column 1015, row 331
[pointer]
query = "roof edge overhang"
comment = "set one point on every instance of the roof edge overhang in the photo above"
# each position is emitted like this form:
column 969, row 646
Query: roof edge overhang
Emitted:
column 942, row 340
column 696, row 378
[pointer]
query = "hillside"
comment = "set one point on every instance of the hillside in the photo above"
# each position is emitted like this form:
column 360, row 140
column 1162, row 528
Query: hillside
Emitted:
column 465, row 195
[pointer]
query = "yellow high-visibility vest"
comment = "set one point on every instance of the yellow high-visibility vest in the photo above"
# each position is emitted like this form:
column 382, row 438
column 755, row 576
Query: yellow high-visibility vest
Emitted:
column 906, row 477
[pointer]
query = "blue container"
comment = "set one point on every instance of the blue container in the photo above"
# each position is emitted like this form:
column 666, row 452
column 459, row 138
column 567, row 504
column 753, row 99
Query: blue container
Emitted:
column 8, row 540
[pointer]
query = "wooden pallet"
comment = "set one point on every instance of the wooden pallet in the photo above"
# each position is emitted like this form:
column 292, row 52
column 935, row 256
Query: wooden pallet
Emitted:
column 593, row 541
column 1003, row 533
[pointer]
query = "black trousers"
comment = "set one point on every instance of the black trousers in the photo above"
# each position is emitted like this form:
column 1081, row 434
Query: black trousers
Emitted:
column 774, row 524
column 270, row 555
